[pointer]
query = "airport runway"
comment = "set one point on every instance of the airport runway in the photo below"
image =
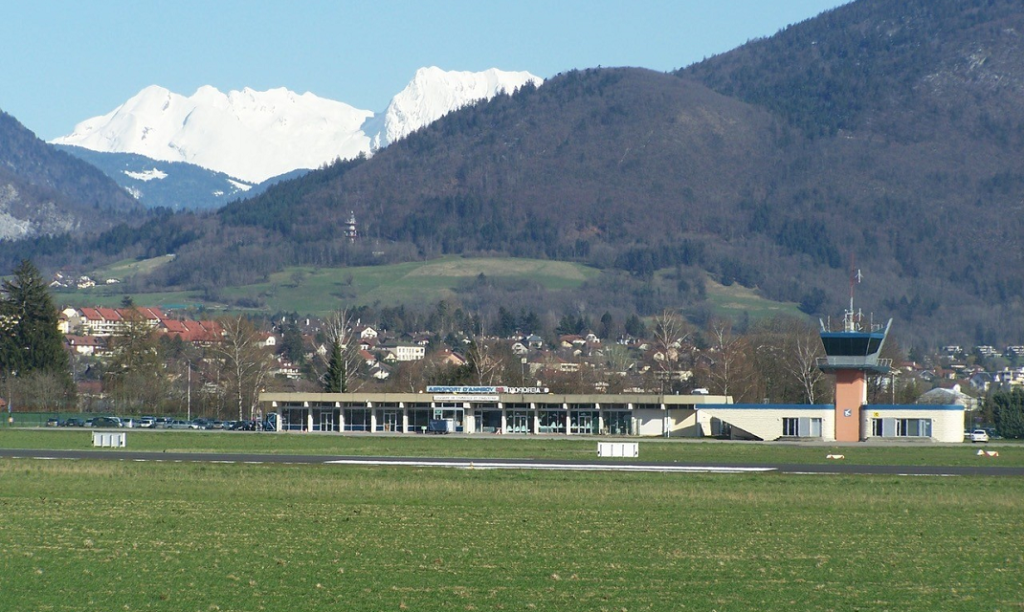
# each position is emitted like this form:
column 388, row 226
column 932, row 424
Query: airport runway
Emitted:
column 838, row 467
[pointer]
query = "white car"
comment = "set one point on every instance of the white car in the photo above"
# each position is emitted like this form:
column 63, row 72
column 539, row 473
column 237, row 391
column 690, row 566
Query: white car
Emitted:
column 979, row 435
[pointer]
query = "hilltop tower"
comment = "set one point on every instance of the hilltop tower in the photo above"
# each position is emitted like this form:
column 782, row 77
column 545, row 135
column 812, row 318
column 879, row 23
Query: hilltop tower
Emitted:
column 350, row 230
column 850, row 355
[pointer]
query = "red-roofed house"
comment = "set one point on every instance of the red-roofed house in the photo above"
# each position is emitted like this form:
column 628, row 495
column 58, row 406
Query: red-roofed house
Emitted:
column 109, row 321
column 84, row 345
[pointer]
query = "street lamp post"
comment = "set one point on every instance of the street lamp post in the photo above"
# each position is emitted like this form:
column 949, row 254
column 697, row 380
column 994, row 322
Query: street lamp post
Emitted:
column 10, row 396
column 188, row 391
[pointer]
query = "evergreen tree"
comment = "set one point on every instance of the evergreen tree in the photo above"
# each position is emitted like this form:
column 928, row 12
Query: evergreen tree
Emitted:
column 291, row 342
column 507, row 324
column 31, row 342
column 531, row 324
column 607, row 327
column 1008, row 409
column 635, row 327
column 334, row 379
column 344, row 360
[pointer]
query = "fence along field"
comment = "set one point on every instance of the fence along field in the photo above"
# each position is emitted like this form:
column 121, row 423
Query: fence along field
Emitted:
column 90, row 535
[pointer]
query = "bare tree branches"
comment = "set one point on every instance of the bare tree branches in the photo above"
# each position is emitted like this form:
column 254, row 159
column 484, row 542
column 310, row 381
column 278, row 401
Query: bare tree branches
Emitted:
column 246, row 363
column 342, row 360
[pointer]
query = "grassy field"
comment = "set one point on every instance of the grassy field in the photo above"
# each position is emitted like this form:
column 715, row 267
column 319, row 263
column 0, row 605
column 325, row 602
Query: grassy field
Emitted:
column 127, row 268
column 319, row 290
column 315, row 291
column 735, row 300
column 513, row 447
column 88, row 535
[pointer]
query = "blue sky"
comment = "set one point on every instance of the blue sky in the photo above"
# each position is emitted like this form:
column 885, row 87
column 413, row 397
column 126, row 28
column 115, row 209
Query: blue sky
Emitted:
column 63, row 62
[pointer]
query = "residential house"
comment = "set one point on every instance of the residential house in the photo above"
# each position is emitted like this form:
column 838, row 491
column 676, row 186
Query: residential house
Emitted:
column 111, row 321
column 365, row 332
column 535, row 342
column 199, row 333
column 285, row 368
column 84, row 345
column 448, row 357
column 948, row 397
column 407, row 352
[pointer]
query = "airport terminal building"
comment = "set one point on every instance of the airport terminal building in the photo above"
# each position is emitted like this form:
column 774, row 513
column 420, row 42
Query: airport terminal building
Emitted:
column 533, row 411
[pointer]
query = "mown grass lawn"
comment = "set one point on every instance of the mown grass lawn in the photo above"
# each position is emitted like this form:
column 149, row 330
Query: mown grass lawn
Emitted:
column 101, row 535
column 515, row 447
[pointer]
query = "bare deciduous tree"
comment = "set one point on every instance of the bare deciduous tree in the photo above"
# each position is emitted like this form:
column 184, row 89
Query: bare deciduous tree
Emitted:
column 487, row 362
column 245, row 363
column 341, row 361
column 727, row 365
column 134, row 378
column 785, row 357
column 671, row 335
column 800, row 360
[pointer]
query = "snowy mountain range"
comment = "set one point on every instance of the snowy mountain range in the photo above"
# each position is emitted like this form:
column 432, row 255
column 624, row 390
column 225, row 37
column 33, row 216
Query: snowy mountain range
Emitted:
column 254, row 136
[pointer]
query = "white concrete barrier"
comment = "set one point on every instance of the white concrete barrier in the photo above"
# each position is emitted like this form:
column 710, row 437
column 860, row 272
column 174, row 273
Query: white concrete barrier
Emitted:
column 618, row 449
column 108, row 439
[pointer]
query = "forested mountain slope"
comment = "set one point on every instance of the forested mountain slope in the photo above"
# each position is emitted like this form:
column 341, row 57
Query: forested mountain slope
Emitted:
column 889, row 133
column 44, row 191
column 914, row 113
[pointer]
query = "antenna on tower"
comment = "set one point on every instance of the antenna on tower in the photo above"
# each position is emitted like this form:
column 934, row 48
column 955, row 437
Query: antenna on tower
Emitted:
column 850, row 322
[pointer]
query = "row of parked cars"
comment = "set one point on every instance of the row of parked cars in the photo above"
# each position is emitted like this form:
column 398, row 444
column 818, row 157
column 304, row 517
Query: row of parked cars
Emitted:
column 150, row 422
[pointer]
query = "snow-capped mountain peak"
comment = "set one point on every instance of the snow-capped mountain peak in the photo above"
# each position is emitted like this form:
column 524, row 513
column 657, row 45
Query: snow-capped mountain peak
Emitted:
column 255, row 135
column 433, row 92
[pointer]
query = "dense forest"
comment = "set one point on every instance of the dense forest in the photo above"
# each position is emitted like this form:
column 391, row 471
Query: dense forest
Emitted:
column 889, row 134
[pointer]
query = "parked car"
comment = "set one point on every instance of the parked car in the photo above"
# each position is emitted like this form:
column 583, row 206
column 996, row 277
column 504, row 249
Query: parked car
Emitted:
column 147, row 422
column 107, row 421
column 52, row 422
column 73, row 422
column 200, row 424
column 177, row 424
column 979, row 435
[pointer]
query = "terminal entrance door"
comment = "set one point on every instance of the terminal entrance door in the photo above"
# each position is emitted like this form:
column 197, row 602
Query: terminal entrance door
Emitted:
column 326, row 421
column 392, row 420
column 519, row 422
column 583, row 423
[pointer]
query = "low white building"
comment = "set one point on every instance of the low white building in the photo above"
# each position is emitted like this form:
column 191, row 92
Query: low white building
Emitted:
column 493, row 410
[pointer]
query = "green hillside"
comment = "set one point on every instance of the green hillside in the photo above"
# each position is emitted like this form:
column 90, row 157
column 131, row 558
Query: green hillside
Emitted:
column 735, row 301
column 310, row 290
column 128, row 268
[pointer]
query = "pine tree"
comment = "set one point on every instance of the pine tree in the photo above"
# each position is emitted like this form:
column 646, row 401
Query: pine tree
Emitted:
column 343, row 362
column 1008, row 408
column 635, row 327
column 334, row 379
column 32, row 342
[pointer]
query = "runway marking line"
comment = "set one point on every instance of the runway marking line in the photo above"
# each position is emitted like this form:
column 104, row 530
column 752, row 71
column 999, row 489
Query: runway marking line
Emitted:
column 555, row 466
